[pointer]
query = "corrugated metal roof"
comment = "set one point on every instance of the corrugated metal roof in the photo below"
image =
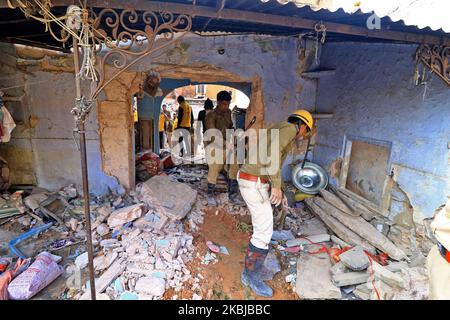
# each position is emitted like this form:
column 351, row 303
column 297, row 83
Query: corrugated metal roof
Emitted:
column 434, row 14
column 14, row 26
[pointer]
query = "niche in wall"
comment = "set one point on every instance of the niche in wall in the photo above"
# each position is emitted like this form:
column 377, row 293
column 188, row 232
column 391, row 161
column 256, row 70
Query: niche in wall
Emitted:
column 366, row 167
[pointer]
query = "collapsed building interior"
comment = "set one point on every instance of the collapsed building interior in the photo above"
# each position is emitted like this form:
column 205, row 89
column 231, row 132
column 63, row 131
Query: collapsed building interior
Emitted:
column 382, row 134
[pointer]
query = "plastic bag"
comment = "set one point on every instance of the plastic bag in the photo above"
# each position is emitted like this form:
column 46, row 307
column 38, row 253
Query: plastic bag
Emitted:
column 39, row 275
column 8, row 125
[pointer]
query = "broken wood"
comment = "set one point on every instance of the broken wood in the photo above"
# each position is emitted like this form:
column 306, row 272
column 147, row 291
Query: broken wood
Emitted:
column 338, row 228
column 353, row 204
column 337, row 202
column 363, row 229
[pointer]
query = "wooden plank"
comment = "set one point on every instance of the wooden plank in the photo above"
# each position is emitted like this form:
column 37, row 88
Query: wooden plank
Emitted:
column 338, row 228
column 364, row 229
column 338, row 203
column 255, row 17
column 356, row 206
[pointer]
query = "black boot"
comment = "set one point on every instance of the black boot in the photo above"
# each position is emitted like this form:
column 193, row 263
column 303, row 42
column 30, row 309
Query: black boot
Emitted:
column 233, row 192
column 210, row 195
column 254, row 267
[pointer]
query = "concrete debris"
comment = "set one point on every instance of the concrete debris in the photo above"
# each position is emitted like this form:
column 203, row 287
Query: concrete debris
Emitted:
column 338, row 268
column 164, row 193
column 82, row 260
column 121, row 216
column 312, row 227
column 390, row 278
column 396, row 266
column 350, row 278
column 151, row 285
column 355, row 259
column 308, row 240
column 313, row 279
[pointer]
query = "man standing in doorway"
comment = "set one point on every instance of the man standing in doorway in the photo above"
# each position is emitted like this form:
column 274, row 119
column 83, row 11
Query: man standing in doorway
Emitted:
column 220, row 119
column 163, row 117
column 208, row 106
column 185, row 121
column 261, row 185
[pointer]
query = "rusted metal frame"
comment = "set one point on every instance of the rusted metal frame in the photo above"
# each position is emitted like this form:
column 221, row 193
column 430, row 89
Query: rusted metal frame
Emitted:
column 437, row 59
column 80, row 122
column 143, row 40
column 268, row 19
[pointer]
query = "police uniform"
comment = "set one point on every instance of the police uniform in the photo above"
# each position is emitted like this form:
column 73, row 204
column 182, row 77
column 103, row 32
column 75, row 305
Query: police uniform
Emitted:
column 255, row 179
column 216, row 119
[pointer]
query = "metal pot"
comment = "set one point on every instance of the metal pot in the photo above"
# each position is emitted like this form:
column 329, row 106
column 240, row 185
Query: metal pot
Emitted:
column 311, row 179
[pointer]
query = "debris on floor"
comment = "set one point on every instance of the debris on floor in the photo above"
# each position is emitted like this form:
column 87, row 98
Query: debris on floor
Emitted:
column 144, row 244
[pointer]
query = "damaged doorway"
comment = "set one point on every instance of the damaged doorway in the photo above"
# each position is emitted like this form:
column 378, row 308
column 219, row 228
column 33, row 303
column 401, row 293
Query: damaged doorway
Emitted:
column 195, row 93
column 365, row 170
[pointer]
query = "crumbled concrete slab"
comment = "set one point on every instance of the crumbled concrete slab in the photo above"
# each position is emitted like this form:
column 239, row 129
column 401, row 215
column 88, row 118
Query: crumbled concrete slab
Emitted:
column 355, row 259
column 350, row 278
column 173, row 199
column 338, row 268
column 121, row 216
column 151, row 285
column 314, row 239
column 390, row 278
column 313, row 278
column 396, row 266
column 313, row 226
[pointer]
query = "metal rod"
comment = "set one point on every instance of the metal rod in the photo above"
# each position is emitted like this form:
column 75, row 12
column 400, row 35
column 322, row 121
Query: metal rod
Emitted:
column 84, row 172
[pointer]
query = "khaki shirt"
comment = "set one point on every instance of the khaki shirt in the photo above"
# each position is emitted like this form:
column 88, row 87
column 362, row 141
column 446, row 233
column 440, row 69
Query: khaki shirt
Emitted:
column 287, row 134
column 216, row 119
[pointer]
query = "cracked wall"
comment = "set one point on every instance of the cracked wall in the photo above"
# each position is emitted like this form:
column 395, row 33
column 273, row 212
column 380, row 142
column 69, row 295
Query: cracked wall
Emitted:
column 372, row 96
column 42, row 150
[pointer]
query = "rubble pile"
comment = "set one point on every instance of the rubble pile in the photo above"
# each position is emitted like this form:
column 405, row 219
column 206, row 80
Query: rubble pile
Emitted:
column 332, row 252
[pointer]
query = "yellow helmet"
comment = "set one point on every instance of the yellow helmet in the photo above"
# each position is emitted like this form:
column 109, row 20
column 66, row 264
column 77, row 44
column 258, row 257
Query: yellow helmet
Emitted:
column 305, row 116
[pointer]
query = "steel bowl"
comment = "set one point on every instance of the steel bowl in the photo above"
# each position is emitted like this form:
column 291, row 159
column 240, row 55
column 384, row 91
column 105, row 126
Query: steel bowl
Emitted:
column 311, row 179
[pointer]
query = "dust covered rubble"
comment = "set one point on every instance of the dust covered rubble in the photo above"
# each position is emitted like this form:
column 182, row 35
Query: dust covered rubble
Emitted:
column 140, row 258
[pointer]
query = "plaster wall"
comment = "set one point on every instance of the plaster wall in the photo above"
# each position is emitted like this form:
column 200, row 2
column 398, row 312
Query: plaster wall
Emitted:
column 372, row 96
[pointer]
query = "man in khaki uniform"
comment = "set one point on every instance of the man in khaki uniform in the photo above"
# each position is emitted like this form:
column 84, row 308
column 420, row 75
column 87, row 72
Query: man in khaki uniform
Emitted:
column 438, row 260
column 261, row 185
column 220, row 119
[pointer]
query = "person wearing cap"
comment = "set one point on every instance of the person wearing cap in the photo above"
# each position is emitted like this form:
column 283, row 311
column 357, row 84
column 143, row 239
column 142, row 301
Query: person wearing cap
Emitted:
column 220, row 119
column 261, row 186
column 438, row 260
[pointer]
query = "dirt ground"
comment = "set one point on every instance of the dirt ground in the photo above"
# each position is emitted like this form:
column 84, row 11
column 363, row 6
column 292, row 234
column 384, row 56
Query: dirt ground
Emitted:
column 222, row 280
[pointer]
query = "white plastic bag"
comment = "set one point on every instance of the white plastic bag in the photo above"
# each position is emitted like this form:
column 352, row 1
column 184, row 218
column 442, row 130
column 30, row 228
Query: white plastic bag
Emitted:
column 8, row 125
column 40, row 274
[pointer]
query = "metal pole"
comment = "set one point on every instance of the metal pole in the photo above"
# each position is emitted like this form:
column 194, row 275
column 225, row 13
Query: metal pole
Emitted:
column 84, row 172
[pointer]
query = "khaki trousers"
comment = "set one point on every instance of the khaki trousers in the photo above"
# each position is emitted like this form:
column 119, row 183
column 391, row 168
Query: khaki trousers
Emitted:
column 214, row 169
column 256, row 196
column 439, row 275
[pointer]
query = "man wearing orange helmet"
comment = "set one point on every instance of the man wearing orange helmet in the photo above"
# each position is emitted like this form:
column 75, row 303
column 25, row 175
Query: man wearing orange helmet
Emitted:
column 261, row 185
